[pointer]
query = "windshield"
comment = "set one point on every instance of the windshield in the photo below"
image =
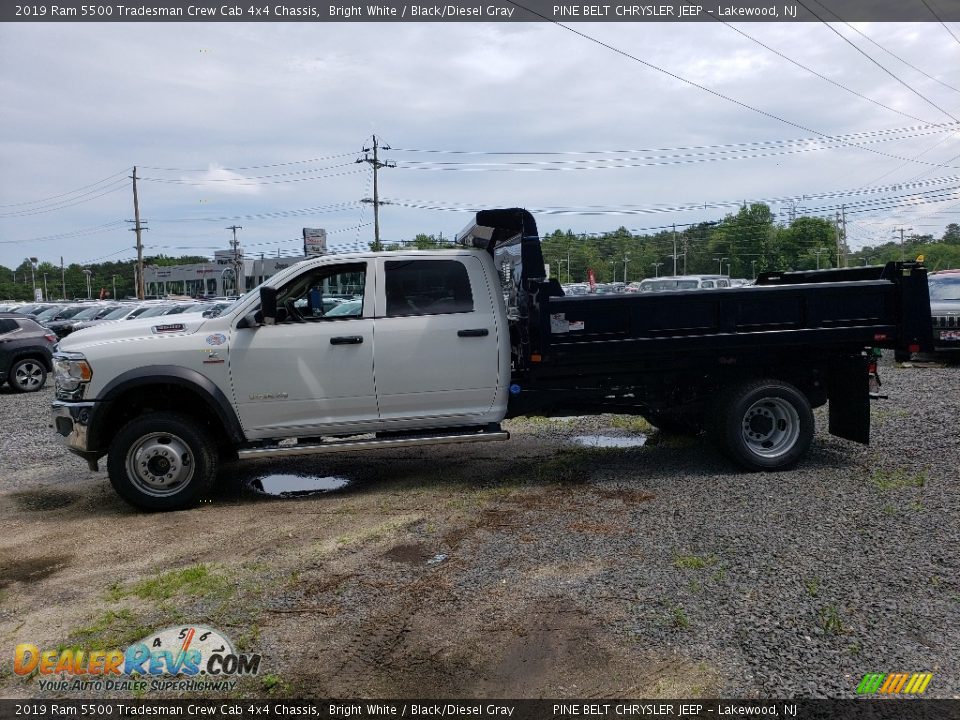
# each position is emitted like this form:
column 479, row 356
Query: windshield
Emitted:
column 154, row 311
column 69, row 312
column 48, row 313
column 87, row 314
column 945, row 288
column 116, row 313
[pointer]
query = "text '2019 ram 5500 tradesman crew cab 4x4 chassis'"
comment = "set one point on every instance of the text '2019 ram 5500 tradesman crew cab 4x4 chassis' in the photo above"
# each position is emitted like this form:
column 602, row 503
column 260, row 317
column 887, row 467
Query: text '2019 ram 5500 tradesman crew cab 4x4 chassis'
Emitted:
column 430, row 347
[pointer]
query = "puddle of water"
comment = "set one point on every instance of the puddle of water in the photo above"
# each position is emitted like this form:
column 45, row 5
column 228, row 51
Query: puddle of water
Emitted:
column 286, row 485
column 610, row 441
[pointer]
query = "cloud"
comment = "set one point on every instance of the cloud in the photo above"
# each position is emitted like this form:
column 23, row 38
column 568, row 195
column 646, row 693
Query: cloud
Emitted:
column 217, row 179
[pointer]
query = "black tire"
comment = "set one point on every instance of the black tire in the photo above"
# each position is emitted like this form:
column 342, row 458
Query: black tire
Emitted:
column 764, row 425
column 162, row 461
column 27, row 375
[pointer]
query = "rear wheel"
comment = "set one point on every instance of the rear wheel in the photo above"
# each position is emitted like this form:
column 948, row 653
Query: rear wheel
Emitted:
column 162, row 461
column 27, row 375
column 764, row 425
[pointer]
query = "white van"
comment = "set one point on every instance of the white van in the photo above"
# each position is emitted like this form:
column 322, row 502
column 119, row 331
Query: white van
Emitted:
column 684, row 282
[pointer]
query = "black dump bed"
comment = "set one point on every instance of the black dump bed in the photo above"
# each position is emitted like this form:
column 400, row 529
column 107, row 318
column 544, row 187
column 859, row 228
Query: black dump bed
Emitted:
column 827, row 311
column 790, row 312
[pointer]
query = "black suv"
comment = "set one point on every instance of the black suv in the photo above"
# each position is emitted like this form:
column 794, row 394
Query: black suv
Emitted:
column 25, row 352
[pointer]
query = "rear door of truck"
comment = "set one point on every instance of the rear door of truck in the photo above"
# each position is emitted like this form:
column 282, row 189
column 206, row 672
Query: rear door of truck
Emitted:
column 436, row 350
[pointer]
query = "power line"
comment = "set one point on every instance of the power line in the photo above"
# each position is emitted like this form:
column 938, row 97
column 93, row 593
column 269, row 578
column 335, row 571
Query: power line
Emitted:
column 252, row 167
column 242, row 181
column 70, row 192
column 889, row 52
column 71, row 202
column 814, row 72
column 940, row 20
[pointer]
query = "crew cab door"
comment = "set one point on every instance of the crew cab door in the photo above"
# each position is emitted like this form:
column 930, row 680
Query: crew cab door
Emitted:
column 312, row 371
column 437, row 345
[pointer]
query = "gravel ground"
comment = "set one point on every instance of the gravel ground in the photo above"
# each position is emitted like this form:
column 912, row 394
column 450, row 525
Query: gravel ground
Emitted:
column 536, row 567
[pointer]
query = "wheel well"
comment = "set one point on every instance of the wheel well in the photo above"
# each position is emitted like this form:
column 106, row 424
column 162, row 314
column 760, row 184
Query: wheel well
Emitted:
column 160, row 397
column 33, row 355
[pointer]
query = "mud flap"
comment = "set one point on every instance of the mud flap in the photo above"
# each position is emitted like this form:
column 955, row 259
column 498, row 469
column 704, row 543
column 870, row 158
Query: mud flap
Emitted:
column 849, row 392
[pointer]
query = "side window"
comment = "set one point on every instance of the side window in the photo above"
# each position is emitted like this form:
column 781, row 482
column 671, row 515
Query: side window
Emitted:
column 706, row 284
column 331, row 292
column 7, row 325
column 427, row 287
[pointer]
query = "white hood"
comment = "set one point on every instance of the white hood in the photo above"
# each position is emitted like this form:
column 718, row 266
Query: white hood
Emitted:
column 163, row 326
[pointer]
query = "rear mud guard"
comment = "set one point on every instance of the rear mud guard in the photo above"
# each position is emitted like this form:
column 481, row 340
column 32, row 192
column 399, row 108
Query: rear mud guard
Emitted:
column 849, row 392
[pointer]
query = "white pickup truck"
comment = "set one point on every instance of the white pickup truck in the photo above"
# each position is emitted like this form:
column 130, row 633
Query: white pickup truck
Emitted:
column 429, row 347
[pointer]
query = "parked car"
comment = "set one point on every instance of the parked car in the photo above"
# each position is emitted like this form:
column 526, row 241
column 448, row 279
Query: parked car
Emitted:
column 945, row 308
column 26, row 352
column 62, row 328
column 684, row 282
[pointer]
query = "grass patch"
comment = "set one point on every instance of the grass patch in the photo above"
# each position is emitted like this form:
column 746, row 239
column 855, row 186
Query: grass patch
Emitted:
column 110, row 630
column 679, row 619
column 831, row 622
column 633, row 423
column 273, row 684
column 692, row 562
column 813, row 586
column 897, row 479
column 196, row 581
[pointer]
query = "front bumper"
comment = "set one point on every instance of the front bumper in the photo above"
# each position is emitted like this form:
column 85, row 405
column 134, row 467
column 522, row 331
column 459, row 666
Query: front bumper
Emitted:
column 72, row 421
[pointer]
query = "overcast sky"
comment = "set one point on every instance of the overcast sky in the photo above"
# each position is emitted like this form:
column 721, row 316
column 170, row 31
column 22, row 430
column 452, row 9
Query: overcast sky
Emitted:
column 201, row 108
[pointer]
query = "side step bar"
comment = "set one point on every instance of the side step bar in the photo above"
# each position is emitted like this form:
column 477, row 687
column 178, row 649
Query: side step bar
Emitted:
column 371, row 444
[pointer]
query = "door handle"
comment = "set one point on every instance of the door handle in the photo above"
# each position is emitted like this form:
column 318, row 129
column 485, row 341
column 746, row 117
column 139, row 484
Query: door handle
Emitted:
column 475, row 332
column 346, row 340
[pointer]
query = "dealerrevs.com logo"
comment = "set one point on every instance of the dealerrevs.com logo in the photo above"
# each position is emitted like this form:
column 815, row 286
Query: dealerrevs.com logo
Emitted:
column 176, row 658
column 894, row 683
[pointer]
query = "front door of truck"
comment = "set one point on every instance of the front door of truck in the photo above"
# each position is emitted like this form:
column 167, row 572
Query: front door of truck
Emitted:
column 437, row 349
column 312, row 371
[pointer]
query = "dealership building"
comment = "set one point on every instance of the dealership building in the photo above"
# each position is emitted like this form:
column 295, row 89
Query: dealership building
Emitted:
column 216, row 277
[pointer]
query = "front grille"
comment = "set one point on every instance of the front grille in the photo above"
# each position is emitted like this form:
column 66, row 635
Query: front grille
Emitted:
column 946, row 321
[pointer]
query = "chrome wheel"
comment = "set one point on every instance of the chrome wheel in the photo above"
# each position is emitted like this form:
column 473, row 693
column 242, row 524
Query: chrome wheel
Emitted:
column 770, row 427
column 29, row 376
column 160, row 464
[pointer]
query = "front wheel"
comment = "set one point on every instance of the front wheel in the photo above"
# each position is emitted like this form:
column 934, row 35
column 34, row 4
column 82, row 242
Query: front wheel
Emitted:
column 162, row 461
column 764, row 425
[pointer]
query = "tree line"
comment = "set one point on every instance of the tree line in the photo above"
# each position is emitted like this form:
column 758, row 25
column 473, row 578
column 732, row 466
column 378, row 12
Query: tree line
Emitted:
column 17, row 283
column 742, row 244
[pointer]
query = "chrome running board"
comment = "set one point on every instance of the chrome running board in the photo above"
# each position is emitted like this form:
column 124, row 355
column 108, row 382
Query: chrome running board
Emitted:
column 371, row 444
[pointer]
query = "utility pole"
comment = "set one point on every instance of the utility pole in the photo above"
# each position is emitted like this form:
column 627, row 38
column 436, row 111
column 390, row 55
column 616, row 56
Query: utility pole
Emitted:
column 674, row 248
column 375, row 163
column 46, row 294
column 63, row 278
column 817, row 253
column 137, row 228
column 902, row 249
column 836, row 226
column 843, row 225
column 237, row 269
column 114, row 287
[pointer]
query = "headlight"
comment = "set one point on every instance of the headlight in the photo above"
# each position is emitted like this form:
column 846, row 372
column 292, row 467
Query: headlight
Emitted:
column 70, row 372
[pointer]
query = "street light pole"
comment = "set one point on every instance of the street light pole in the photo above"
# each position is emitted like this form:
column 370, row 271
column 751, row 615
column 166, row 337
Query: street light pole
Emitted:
column 656, row 268
column 46, row 295
column 753, row 268
column 626, row 259
column 721, row 261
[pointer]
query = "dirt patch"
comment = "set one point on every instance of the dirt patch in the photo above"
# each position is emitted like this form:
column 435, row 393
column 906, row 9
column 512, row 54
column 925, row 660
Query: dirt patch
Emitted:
column 31, row 570
column 627, row 495
column 38, row 500
column 409, row 553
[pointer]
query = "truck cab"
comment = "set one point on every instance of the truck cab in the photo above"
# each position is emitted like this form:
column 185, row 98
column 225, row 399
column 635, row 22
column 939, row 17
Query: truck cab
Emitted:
column 417, row 342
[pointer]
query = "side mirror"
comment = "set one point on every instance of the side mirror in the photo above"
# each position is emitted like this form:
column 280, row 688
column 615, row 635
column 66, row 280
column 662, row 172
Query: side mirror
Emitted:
column 250, row 320
column 268, row 305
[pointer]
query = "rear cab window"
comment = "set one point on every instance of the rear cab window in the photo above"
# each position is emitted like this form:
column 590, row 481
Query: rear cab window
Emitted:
column 427, row 287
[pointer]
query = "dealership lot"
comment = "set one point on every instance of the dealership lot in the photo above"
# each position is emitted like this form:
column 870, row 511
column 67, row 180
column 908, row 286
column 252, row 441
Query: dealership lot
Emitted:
column 545, row 566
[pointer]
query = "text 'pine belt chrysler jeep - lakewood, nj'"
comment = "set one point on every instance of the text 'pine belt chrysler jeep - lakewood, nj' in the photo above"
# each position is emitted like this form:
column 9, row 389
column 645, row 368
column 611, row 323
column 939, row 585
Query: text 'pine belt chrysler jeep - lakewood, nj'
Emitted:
column 440, row 346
